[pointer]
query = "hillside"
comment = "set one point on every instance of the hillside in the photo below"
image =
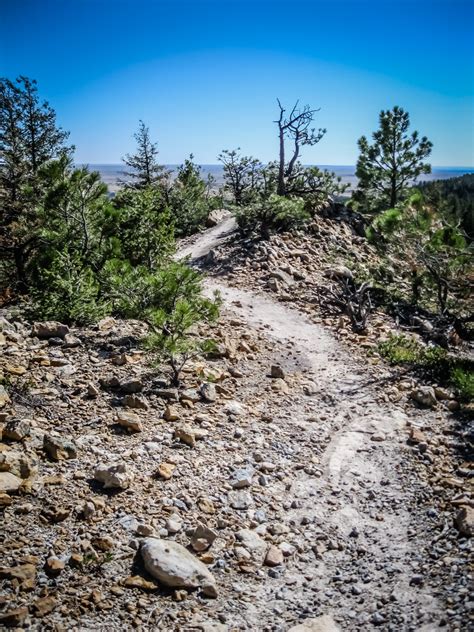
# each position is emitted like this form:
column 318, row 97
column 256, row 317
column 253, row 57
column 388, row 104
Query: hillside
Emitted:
column 298, row 470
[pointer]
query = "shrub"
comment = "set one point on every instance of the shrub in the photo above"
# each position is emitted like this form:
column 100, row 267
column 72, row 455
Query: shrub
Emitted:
column 170, row 300
column 140, row 227
column 462, row 379
column 190, row 200
column 277, row 213
column 399, row 349
column 69, row 292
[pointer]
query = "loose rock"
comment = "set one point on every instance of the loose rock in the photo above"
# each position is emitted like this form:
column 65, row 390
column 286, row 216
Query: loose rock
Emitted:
column 172, row 565
column 114, row 476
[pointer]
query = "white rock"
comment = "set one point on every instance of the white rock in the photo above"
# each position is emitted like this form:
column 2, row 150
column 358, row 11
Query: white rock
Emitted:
column 174, row 566
column 241, row 478
column 9, row 482
column 253, row 543
column 234, row 408
column 240, row 499
column 202, row 538
column 173, row 524
column 320, row 624
column 113, row 476
column 425, row 396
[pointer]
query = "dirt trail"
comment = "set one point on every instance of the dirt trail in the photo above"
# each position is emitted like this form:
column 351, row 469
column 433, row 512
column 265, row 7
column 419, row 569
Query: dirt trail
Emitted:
column 356, row 493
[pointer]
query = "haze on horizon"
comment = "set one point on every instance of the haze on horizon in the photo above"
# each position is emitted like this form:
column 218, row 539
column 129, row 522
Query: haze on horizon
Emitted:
column 205, row 75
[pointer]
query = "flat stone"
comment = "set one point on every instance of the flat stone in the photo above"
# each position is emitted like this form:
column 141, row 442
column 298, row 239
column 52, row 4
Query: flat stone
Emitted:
column 49, row 329
column 324, row 623
column 170, row 394
column 132, row 386
column 174, row 566
column 240, row 499
column 9, row 482
column 253, row 543
column 190, row 394
column 282, row 277
column 234, row 408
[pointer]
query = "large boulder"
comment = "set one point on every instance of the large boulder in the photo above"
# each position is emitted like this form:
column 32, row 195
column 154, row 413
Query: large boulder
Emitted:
column 174, row 566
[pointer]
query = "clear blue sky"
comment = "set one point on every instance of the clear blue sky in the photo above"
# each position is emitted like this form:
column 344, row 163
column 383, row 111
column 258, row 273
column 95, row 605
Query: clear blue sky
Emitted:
column 204, row 74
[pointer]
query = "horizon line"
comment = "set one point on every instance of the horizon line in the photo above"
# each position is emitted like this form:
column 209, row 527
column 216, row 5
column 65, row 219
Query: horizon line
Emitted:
column 215, row 164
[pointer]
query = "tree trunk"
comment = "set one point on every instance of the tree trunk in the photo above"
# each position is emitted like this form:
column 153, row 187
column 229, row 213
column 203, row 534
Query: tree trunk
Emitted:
column 393, row 193
column 281, row 171
column 19, row 257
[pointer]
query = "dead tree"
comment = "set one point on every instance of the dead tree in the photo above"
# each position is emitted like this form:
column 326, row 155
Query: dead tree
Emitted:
column 349, row 298
column 295, row 128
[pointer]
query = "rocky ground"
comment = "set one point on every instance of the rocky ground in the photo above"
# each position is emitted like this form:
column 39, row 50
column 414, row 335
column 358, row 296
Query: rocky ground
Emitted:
column 290, row 484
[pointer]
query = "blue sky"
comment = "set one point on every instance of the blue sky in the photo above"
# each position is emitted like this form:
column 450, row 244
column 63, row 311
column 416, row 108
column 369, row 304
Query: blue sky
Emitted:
column 205, row 74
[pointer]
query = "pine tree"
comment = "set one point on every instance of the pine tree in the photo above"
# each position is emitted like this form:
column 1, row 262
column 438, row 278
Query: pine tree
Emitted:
column 395, row 159
column 145, row 168
column 29, row 138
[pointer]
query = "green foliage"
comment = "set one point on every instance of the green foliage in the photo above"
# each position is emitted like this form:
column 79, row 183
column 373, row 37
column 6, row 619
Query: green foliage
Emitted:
column 140, row 227
column 171, row 302
column 68, row 291
column 462, row 379
column 454, row 199
column 400, row 349
column 244, row 176
column 277, row 213
column 387, row 167
column 145, row 170
column 432, row 361
column 315, row 185
column 428, row 252
column 29, row 139
column 190, row 200
column 83, row 256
